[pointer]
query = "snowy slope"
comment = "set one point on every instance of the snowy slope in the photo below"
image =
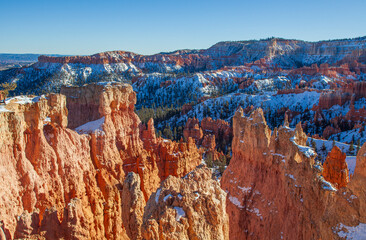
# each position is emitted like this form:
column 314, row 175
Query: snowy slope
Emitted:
column 216, row 107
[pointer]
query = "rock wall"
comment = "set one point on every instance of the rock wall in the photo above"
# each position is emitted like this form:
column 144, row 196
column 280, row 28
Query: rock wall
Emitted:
column 209, row 134
column 192, row 207
column 61, row 183
column 276, row 191
column 351, row 92
column 191, row 61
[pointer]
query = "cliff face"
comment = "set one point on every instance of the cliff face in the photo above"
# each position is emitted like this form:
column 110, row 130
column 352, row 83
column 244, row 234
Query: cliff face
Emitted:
column 192, row 60
column 350, row 92
column 275, row 191
column 70, row 184
column 132, row 205
column 281, row 51
column 192, row 207
column 47, row 165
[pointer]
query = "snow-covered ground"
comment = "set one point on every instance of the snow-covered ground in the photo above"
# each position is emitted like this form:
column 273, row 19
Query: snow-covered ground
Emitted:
column 348, row 136
column 20, row 100
column 90, row 127
column 347, row 232
column 351, row 162
column 329, row 145
column 225, row 107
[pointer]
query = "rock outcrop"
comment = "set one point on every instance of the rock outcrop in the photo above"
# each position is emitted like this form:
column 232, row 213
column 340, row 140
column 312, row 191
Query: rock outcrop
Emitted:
column 275, row 189
column 335, row 169
column 350, row 92
column 60, row 183
column 133, row 205
column 210, row 134
column 192, row 60
column 220, row 128
column 327, row 100
column 192, row 129
column 192, row 207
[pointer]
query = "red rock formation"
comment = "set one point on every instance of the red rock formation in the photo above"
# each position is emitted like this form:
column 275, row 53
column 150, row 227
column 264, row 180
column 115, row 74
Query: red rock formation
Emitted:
column 68, row 185
column 100, row 58
column 356, row 115
column 209, row 142
column 192, row 207
column 46, row 166
column 148, row 134
column 324, row 70
column 220, row 128
column 327, row 100
column 192, row 60
column 275, row 191
column 162, row 158
column 211, row 134
column 360, row 170
column 133, row 205
column 291, row 91
column 351, row 92
column 335, row 168
column 192, row 129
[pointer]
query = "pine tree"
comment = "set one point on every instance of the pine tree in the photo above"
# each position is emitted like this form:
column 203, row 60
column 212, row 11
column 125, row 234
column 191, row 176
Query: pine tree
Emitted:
column 313, row 144
column 168, row 132
column 6, row 88
column 323, row 148
column 175, row 133
column 333, row 143
column 351, row 148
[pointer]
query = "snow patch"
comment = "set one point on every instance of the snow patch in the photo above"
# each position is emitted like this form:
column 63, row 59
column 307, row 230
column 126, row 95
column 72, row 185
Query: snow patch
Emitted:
column 157, row 195
column 351, row 163
column 166, row 197
column 291, row 176
column 180, row 213
column 245, row 189
column 235, row 201
column 327, row 185
column 197, row 195
column 357, row 232
column 93, row 126
column 307, row 151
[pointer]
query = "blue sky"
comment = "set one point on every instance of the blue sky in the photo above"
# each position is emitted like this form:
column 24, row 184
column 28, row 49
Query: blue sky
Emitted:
column 147, row 27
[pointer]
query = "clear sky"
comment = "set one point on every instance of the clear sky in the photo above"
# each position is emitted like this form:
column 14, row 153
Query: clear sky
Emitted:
column 152, row 26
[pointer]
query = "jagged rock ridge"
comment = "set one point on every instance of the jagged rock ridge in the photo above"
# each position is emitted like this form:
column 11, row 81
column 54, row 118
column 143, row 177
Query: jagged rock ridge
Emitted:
column 60, row 183
column 276, row 191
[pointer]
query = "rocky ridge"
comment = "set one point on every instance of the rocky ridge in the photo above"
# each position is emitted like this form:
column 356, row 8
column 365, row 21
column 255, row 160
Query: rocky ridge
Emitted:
column 60, row 183
column 304, row 205
column 192, row 207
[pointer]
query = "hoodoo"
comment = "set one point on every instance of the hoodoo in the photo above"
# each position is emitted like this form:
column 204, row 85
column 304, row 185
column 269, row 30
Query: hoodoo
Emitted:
column 276, row 191
column 57, row 182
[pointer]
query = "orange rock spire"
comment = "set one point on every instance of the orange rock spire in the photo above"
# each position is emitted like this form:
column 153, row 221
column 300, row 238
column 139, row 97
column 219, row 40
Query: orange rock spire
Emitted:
column 335, row 168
